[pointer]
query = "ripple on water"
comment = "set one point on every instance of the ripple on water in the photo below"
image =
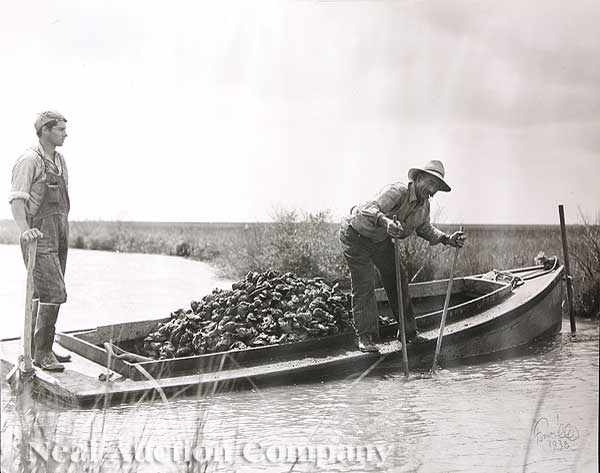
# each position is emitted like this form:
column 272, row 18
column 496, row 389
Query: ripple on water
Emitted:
column 474, row 416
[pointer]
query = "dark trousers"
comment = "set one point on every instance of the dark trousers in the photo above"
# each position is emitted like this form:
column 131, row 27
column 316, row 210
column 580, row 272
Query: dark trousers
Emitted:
column 363, row 255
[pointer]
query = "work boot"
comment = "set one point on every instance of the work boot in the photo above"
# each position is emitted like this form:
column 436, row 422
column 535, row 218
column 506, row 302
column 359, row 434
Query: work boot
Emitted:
column 366, row 343
column 34, row 310
column 43, row 338
column 415, row 338
column 48, row 362
column 410, row 325
column 61, row 358
column 409, row 321
column 66, row 358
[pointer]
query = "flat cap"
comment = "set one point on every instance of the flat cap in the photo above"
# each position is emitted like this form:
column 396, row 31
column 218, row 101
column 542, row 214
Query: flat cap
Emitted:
column 47, row 117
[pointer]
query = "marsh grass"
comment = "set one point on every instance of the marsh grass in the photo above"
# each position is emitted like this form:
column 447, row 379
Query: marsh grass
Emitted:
column 586, row 277
column 304, row 243
column 307, row 244
column 43, row 436
column 52, row 437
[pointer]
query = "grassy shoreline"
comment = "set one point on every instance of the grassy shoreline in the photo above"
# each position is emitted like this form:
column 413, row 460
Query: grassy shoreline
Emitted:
column 307, row 244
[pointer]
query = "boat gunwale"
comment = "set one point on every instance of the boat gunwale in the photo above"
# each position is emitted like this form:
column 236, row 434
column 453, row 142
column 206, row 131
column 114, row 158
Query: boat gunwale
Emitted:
column 173, row 367
column 483, row 302
column 510, row 314
column 235, row 358
column 231, row 359
column 505, row 317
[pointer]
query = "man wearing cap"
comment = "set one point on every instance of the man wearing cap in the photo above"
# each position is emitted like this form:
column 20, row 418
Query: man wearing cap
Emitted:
column 366, row 240
column 39, row 201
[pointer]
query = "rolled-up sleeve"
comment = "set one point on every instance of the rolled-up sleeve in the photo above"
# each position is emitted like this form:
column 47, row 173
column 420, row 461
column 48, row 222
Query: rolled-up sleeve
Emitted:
column 22, row 177
column 383, row 204
column 430, row 233
column 427, row 231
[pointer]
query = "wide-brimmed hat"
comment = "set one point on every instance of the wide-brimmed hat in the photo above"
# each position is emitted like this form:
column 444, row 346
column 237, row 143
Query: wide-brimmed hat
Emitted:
column 435, row 168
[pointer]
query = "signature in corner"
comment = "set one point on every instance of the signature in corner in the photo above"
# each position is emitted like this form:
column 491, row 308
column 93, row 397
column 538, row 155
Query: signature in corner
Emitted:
column 551, row 434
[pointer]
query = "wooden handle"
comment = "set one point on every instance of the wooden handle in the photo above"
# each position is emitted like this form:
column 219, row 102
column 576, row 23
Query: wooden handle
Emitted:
column 438, row 345
column 27, row 329
column 563, row 234
column 401, row 325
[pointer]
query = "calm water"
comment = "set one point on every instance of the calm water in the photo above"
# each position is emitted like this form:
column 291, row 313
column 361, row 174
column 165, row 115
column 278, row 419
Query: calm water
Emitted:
column 106, row 287
column 539, row 409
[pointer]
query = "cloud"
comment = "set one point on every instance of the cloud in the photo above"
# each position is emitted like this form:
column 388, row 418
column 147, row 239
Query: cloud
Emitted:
column 527, row 62
column 220, row 111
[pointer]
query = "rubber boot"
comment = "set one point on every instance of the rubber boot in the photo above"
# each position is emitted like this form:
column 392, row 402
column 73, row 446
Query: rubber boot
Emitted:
column 34, row 310
column 44, row 338
column 412, row 334
column 410, row 324
column 61, row 358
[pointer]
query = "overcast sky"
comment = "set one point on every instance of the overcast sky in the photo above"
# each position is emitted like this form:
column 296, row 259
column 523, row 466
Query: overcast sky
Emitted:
column 221, row 111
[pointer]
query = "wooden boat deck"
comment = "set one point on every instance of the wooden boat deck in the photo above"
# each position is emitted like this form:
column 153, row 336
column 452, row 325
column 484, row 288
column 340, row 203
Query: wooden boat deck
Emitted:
column 79, row 383
column 530, row 311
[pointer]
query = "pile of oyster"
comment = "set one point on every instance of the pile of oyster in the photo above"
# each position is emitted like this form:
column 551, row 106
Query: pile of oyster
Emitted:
column 262, row 309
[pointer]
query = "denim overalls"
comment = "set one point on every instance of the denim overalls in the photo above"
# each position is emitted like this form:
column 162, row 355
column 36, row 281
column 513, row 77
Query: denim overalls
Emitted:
column 51, row 220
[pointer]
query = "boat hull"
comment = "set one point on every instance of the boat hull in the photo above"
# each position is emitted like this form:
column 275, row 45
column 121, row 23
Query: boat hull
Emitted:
column 506, row 327
column 516, row 319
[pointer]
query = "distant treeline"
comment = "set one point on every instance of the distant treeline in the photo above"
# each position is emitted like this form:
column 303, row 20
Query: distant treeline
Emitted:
column 307, row 244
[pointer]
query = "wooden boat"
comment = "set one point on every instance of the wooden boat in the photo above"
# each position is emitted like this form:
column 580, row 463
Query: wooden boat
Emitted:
column 493, row 313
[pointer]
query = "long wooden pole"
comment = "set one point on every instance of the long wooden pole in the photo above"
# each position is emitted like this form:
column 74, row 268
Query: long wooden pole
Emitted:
column 398, row 262
column 563, row 232
column 27, row 329
column 438, row 345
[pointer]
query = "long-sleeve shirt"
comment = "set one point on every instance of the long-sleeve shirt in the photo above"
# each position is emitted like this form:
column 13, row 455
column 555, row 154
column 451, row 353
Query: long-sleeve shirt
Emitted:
column 29, row 177
column 395, row 199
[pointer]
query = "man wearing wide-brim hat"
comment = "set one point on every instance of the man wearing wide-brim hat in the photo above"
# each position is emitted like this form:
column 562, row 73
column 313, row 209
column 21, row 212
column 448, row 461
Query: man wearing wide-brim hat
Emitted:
column 366, row 239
